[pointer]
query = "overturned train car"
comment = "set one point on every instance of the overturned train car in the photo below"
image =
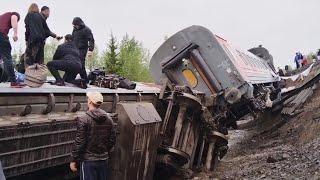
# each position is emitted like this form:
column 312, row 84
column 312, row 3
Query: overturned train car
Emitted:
column 207, row 85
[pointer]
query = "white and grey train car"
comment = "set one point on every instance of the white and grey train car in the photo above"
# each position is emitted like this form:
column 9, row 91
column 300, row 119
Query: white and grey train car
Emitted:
column 209, row 64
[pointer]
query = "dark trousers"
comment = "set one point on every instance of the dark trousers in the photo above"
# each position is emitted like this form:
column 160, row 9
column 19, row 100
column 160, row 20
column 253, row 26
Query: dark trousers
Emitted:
column 93, row 170
column 297, row 64
column 83, row 73
column 5, row 54
column 35, row 52
column 70, row 68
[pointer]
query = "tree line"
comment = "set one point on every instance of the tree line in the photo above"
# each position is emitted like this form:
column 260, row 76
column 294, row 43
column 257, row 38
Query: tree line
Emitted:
column 127, row 58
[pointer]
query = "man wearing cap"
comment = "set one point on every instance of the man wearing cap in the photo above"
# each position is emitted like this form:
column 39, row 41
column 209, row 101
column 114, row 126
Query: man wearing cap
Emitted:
column 95, row 137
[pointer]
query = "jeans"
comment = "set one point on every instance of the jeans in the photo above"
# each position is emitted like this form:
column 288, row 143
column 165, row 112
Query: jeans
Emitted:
column 5, row 54
column 35, row 52
column 83, row 73
column 93, row 170
column 70, row 68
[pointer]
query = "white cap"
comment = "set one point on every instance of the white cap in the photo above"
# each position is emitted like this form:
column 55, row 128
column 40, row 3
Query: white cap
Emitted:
column 95, row 97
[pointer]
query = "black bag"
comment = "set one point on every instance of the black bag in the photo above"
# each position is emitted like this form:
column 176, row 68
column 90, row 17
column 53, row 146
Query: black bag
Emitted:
column 126, row 83
column 94, row 74
column 107, row 81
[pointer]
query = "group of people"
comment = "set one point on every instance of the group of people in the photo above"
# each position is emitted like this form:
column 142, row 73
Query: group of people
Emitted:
column 300, row 60
column 95, row 136
column 69, row 56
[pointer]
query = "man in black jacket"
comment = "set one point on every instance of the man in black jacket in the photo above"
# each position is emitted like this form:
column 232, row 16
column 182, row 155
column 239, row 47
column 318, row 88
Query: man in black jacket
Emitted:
column 84, row 40
column 95, row 137
column 45, row 12
column 66, row 58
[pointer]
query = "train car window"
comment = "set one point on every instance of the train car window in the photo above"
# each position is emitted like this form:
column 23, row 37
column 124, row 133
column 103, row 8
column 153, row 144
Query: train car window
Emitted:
column 266, row 66
column 247, row 59
column 251, row 61
column 262, row 64
column 258, row 63
column 242, row 58
column 228, row 52
column 190, row 77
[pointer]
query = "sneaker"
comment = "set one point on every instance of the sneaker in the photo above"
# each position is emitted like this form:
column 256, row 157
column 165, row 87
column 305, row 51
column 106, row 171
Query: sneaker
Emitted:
column 58, row 83
column 17, row 85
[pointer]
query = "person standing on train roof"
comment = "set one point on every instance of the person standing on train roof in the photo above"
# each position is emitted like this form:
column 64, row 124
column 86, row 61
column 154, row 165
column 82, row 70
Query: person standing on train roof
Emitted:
column 297, row 59
column 318, row 55
column 45, row 13
column 7, row 21
column 35, row 35
column 95, row 138
column 84, row 40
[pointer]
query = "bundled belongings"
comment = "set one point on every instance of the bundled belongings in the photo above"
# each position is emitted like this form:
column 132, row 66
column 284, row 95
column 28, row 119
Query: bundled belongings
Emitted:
column 126, row 83
column 101, row 79
column 107, row 81
column 36, row 75
column 94, row 74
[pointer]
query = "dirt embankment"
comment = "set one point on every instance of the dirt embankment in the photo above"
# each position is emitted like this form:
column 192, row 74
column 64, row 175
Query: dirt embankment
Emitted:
column 275, row 147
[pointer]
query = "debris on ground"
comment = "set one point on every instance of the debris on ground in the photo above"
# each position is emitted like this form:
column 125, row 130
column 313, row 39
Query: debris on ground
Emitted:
column 282, row 145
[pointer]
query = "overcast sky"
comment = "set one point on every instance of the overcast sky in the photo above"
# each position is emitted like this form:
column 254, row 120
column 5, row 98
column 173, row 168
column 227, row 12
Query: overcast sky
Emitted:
column 282, row 26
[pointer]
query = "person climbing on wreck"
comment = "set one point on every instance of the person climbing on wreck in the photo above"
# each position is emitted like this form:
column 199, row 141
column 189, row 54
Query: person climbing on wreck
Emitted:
column 84, row 41
column 7, row 21
column 66, row 58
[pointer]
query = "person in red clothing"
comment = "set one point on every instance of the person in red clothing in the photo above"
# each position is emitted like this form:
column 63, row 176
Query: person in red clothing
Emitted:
column 304, row 61
column 7, row 21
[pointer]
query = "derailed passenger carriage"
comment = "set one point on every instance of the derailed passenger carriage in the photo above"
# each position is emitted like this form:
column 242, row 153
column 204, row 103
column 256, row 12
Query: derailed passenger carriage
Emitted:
column 211, row 85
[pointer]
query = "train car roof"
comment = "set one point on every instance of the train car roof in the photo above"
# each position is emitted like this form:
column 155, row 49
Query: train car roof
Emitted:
column 48, row 88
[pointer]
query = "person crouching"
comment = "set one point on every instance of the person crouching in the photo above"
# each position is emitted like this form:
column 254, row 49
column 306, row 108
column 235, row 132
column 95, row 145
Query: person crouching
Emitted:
column 66, row 58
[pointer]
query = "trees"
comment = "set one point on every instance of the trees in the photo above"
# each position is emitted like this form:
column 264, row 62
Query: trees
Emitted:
column 16, row 55
column 110, row 56
column 94, row 61
column 131, row 60
column 49, row 50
